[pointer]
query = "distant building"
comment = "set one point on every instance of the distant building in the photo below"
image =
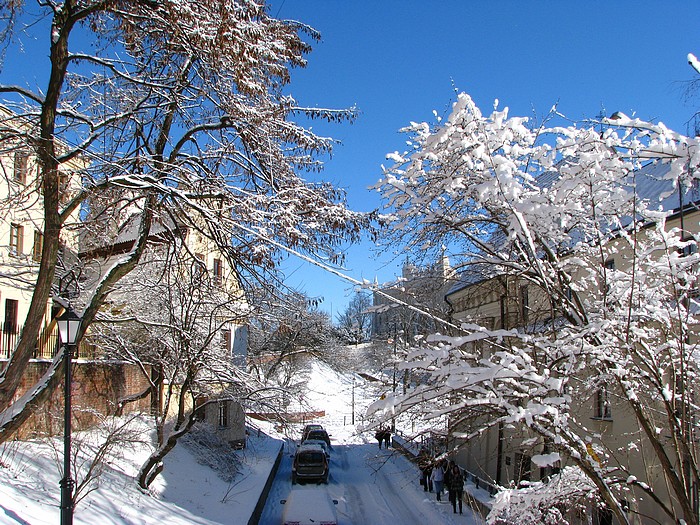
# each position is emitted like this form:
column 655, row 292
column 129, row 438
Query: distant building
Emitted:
column 422, row 288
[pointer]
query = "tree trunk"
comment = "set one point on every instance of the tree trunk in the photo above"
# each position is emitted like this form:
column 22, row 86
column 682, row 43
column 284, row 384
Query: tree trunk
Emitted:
column 154, row 464
column 11, row 376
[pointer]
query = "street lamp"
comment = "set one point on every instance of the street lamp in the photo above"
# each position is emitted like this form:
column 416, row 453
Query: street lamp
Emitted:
column 68, row 327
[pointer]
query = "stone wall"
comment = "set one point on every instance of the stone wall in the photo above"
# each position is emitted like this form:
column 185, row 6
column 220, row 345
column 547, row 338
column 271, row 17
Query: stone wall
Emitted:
column 97, row 386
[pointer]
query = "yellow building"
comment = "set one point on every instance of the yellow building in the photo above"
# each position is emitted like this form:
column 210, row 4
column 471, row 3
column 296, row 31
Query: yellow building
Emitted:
column 22, row 229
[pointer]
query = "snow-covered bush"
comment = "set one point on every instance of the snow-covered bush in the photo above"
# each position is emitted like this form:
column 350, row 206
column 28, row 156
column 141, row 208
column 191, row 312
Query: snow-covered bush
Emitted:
column 211, row 450
column 566, row 495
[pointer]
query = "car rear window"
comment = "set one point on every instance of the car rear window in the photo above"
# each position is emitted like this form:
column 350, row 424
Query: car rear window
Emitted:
column 311, row 456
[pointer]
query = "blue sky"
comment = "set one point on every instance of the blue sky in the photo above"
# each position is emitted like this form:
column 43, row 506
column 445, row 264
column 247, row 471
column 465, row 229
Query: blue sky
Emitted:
column 397, row 61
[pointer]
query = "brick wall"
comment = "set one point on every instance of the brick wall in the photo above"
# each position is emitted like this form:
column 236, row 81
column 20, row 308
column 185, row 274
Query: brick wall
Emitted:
column 97, row 386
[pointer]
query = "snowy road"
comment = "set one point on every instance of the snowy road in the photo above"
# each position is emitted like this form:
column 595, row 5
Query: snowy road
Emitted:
column 373, row 487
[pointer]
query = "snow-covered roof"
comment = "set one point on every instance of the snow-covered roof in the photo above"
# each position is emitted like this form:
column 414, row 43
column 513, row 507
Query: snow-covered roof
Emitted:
column 653, row 185
column 161, row 229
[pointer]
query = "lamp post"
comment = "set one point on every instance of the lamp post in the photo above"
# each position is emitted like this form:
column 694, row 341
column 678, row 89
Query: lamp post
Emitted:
column 352, row 418
column 68, row 327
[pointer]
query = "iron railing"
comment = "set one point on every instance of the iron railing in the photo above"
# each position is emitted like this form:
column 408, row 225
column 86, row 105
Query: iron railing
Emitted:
column 47, row 345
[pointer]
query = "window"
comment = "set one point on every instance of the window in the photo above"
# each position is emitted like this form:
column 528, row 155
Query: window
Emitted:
column 525, row 304
column 603, row 516
column 689, row 248
column 607, row 274
column 223, row 413
column 218, row 271
column 602, row 404
column 16, row 234
column 199, row 266
column 549, row 470
column 228, row 341
column 10, row 326
column 38, row 245
column 504, row 312
column 63, row 182
column 691, row 282
column 20, row 168
column 522, row 467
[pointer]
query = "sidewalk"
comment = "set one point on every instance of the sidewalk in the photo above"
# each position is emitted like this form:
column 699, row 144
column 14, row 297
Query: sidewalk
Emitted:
column 476, row 497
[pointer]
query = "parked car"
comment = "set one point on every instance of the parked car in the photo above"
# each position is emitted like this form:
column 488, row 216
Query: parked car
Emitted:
column 309, row 507
column 321, row 444
column 318, row 434
column 310, row 464
column 308, row 428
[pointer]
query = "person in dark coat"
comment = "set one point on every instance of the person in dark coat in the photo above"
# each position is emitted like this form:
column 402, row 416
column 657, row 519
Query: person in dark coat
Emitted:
column 425, row 466
column 426, row 470
column 387, row 438
column 455, row 485
column 379, row 436
column 447, row 469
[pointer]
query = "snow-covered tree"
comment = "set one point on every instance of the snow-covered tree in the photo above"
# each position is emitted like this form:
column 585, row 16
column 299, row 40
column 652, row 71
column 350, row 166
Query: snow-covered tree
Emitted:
column 560, row 500
column 355, row 322
column 548, row 206
column 170, row 317
column 286, row 329
column 179, row 110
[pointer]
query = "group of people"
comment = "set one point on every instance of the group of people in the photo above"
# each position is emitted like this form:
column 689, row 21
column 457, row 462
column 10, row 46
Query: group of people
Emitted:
column 383, row 435
column 440, row 475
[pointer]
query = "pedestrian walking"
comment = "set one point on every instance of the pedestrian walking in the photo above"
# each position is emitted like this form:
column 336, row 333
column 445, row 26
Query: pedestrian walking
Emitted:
column 426, row 481
column 437, row 476
column 425, row 466
column 387, row 438
column 456, row 487
column 379, row 436
column 447, row 467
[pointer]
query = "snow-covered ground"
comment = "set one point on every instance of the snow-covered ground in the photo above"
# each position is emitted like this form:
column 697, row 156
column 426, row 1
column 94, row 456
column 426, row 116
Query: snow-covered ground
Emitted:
column 187, row 492
column 372, row 486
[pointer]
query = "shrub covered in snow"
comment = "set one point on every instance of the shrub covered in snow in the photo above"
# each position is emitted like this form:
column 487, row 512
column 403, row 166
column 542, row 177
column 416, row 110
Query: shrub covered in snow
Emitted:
column 211, row 450
column 556, row 501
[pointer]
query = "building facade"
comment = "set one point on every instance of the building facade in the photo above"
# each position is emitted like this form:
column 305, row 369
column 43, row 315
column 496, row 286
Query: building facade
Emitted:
column 424, row 289
column 501, row 455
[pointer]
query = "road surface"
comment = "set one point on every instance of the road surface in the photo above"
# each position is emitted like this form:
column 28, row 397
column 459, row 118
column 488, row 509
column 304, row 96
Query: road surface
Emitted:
column 372, row 487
